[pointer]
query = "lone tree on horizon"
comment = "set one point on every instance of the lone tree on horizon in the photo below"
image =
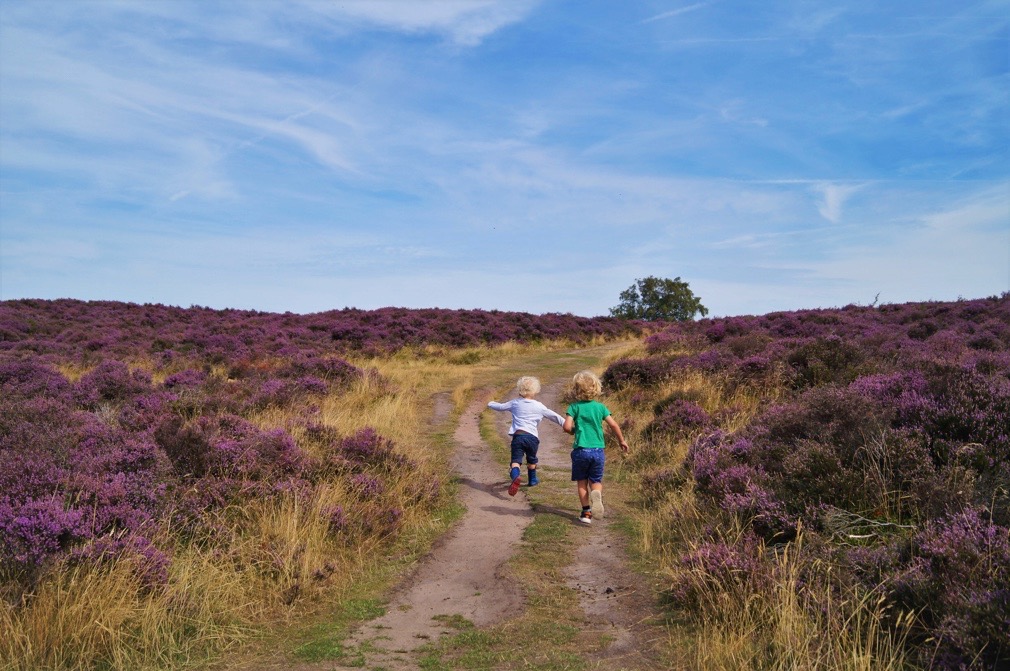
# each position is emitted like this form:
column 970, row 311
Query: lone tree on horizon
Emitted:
column 659, row 299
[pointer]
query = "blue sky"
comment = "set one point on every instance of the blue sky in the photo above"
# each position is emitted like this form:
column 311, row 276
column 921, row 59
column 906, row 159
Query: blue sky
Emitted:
column 515, row 154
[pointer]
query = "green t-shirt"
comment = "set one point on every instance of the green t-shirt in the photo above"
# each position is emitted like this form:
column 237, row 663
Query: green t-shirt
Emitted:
column 588, row 416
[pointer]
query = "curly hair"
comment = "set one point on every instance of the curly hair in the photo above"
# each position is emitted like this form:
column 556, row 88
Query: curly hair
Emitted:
column 528, row 386
column 587, row 385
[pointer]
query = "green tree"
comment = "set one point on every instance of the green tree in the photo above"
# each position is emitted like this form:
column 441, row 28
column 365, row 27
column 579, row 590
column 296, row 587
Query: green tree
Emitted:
column 659, row 299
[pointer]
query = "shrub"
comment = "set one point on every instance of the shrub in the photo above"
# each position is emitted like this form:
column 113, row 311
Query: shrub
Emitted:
column 679, row 418
column 957, row 585
column 645, row 372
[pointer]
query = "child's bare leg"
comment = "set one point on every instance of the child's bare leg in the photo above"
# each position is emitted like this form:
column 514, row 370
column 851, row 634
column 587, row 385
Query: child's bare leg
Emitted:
column 515, row 464
column 583, row 486
column 596, row 498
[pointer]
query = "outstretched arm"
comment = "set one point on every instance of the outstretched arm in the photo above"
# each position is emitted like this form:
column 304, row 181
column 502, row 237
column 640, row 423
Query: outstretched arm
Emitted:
column 569, row 425
column 553, row 416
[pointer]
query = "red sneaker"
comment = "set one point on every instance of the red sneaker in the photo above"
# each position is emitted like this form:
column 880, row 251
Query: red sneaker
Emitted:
column 514, row 487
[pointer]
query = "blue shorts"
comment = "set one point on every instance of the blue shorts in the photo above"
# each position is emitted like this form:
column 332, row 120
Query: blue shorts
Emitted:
column 525, row 444
column 587, row 464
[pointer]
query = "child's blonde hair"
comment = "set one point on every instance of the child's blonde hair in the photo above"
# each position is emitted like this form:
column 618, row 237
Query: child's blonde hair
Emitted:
column 587, row 385
column 528, row 386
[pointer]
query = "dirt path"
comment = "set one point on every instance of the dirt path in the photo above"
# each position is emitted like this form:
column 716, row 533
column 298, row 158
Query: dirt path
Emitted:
column 616, row 600
column 465, row 574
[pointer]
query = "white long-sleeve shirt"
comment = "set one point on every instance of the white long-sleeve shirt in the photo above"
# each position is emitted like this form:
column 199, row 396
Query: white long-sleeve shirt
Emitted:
column 526, row 414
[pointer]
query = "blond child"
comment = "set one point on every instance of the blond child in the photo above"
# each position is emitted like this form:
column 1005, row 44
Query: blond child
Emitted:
column 585, row 419
column 526, row 415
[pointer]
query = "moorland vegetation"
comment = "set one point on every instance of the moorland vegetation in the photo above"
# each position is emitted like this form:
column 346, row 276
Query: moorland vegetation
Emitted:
column 816, row 489
column 821, row 487
column 172, row 480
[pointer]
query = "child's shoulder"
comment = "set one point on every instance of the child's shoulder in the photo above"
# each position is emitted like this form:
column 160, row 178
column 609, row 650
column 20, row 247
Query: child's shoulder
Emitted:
column 586, row 403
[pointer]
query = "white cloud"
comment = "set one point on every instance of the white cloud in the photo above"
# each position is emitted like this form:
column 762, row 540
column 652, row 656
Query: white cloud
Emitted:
column 462, row 22
column 959, row 249
column 833, row 199
column 676, row 12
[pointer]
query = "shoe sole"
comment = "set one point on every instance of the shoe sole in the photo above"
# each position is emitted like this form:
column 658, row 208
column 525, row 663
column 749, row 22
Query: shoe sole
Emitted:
column 586, row 520
column 596, row 501
column 514, row 487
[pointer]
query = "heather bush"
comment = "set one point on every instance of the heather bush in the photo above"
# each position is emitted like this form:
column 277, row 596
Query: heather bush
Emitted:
column 79, row 331
column 32, row 378
column 886, row 442
column 645, row 372
column 35, row 530
column 330, row 369
column 824, row 360
column 956, row 581
column 679, row 418
column 716, row 570
column 110, row 382
column 149, row 563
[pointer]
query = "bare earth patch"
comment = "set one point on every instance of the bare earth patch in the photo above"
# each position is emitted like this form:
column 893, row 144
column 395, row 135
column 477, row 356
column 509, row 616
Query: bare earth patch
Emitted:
column 464, row 573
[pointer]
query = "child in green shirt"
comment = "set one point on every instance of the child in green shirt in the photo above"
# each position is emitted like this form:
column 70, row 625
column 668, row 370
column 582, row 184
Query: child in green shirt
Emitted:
column 585, row 419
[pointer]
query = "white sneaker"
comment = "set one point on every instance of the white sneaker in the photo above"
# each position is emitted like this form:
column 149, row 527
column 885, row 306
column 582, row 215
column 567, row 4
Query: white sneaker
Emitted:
column 596, row 501
column 586, row 517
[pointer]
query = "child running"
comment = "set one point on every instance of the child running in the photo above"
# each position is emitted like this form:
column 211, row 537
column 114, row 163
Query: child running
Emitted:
column 585, row 420
column 526, row 415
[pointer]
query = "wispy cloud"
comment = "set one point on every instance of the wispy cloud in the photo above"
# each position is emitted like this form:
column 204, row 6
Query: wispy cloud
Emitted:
column 834, row 197
column 462, row 22
column 300, row 155
column 677, row 12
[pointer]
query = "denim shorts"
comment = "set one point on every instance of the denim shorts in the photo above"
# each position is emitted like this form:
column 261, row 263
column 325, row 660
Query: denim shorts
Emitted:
column 524, row 444
column 587, row 464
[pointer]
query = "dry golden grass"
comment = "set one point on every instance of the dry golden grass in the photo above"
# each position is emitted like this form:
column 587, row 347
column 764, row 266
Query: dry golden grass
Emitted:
column 269, row 561
column 274, row 561
column 785, row 627
column 88, row 617
column 791, row 627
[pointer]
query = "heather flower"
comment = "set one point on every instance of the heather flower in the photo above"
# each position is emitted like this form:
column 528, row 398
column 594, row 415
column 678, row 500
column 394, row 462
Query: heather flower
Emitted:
column 715, row 567
column 679, row 418
column 656, row 484
column 636, row 372
column 709, row 361
column 149, row 563
column 110, row 381
column 826, row 359
column 27, row 379
column 38, row 529
column 330, row 370
column 669, row 340
column 335, row 518
column 754, row 367
column 368, row 448
column 186, row 379
column 367, row 487
column 960, row 585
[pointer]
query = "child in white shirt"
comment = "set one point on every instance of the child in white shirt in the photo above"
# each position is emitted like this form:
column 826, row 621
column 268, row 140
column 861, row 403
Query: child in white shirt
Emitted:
column 526, row 415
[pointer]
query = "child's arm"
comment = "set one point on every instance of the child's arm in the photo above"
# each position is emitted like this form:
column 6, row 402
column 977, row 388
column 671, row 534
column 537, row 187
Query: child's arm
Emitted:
column 553, row 416
column 494, row 405
column 569, row 425
column 615, row 427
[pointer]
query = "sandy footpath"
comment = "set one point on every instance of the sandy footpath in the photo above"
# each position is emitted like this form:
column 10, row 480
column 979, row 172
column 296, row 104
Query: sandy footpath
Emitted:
column 465, row 574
